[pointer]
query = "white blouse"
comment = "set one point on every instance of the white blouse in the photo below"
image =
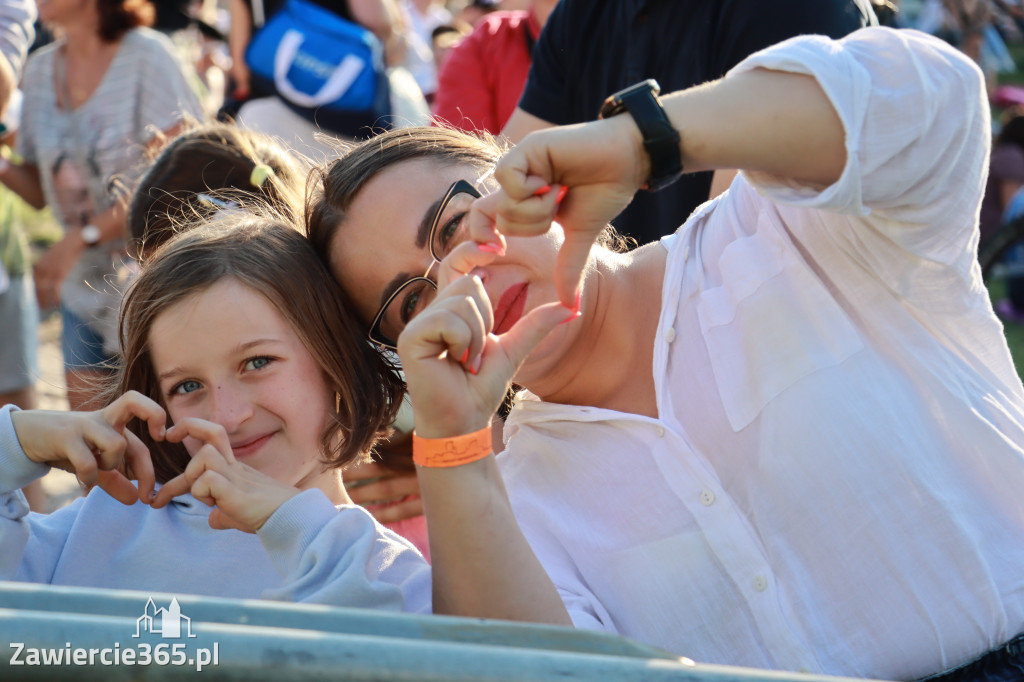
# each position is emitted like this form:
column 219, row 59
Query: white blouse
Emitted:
column 835, row 482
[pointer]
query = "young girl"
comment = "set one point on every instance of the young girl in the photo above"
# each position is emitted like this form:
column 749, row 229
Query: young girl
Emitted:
column 788, row 436
column 251, row 389
column 219, row 167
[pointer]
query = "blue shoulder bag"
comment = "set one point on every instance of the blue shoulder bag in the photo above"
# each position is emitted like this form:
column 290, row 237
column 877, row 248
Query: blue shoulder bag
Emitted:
column 328, row 69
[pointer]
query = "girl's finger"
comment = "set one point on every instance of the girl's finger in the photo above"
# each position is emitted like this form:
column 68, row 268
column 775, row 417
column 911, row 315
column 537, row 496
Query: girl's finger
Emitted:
column 218, row 520
column 107, row 446
column 140, row 461
column 209, row 486
column 179, row 485
column 206, row 458
column 81, row 460
column 133, row 405
column 205, row 431
column 118, row 487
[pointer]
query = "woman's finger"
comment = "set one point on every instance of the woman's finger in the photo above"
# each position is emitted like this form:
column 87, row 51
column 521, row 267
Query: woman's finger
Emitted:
column 519, row 341
column 483, row 230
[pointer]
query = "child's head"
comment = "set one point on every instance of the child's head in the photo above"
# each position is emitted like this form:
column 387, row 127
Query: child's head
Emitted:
column 206, row 169
column 239, row 323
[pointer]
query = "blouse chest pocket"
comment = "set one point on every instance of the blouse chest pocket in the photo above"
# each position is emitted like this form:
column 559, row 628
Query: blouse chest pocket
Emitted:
column 769, row 323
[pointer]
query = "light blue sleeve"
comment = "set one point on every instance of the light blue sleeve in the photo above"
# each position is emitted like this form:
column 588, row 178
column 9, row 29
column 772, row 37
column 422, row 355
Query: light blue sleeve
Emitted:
column 343, row 557
column 30, row 544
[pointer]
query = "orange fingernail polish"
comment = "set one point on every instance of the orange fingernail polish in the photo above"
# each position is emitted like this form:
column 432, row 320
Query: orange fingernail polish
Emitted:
column 475, row 369
column 465, row 356
column 572, row 316
column 561, row 194
column 541, row 191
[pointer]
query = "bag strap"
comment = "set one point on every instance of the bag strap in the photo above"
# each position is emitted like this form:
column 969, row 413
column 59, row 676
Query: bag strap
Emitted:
column 259, row 14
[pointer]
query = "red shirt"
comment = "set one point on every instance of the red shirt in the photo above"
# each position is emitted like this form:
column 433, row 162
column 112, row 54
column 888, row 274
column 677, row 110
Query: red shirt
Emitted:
column 480, row 82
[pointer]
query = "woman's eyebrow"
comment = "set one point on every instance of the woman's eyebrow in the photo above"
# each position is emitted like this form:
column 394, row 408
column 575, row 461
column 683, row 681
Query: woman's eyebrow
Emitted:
column 392, row 286
column 428, row 220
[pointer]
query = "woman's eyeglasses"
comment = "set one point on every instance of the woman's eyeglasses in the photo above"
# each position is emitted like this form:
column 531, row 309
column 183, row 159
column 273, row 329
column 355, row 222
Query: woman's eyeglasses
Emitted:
column 449, row 228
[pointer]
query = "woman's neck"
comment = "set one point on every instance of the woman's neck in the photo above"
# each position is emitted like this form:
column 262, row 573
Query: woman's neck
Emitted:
column 83, row 42
column 609, row 361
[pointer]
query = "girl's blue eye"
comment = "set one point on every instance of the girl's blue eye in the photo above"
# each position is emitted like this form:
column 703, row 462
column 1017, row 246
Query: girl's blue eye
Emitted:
column 257, row 363
column 186, row 386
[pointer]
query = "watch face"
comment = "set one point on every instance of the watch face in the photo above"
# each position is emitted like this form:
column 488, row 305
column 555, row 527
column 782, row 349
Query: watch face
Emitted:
column 91, row 235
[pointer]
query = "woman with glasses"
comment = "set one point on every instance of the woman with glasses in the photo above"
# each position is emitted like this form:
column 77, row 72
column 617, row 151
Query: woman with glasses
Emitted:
column 787, row 436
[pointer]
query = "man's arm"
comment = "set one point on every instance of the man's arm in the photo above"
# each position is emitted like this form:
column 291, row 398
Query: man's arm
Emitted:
column 521, row 124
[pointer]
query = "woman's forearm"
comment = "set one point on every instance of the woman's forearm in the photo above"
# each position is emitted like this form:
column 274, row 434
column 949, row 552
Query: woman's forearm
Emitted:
column 23, row 180
column 767, row 121
column 482, row 564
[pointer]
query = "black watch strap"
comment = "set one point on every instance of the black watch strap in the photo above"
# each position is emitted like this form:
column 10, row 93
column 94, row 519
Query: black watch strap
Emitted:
column 661, row 140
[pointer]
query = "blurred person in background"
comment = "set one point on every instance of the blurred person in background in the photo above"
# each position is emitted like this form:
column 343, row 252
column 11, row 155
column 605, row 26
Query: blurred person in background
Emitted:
column 19, row 314
column 95, row 99
column 480, row 83
column 443, row 39
column 421, row 18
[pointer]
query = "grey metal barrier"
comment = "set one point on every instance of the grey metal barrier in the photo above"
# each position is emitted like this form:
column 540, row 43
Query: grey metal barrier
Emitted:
column 67, row 633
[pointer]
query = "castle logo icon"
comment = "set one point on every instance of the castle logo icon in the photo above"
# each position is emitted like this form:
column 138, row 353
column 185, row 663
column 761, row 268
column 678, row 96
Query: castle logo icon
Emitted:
column 165, row 622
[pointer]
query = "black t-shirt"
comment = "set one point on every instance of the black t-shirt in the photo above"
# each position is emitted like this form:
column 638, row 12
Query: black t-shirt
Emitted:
column 592, row 48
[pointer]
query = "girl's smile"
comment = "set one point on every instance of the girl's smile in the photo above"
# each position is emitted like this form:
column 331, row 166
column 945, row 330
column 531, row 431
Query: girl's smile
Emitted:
column 227, row 355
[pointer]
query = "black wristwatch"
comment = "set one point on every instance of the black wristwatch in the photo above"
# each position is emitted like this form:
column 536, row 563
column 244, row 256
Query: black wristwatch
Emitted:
column 661, row 140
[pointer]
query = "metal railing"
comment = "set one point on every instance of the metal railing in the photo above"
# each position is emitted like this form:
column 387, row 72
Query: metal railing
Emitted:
column 66, row 633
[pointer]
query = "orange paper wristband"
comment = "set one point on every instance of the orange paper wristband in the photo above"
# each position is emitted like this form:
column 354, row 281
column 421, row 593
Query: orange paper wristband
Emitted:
column 451, row 452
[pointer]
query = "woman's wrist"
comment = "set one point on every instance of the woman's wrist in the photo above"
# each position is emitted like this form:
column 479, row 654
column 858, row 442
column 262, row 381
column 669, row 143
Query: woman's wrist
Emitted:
column 451, row 451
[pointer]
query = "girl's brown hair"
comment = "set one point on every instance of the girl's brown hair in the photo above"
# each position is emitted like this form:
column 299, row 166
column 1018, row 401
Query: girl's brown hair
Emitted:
column 215, row 160
column 117, row 17
column 270, row 256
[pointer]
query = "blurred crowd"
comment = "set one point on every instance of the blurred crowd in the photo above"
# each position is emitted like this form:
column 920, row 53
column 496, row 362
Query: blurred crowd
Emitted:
column 106, row 82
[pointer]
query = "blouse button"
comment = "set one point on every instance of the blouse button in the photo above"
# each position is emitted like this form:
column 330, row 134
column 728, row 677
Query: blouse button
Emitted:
column 760, row 584
column 707, row 498
column 670, row 335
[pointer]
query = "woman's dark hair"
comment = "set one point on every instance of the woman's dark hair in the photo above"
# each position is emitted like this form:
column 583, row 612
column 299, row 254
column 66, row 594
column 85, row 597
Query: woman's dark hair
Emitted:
column 117, row 17
column 210, row 165
column 272, row 258
column 331, row 190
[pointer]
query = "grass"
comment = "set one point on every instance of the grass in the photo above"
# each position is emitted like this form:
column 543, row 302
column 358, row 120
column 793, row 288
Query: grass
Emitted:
column 1014, row 332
